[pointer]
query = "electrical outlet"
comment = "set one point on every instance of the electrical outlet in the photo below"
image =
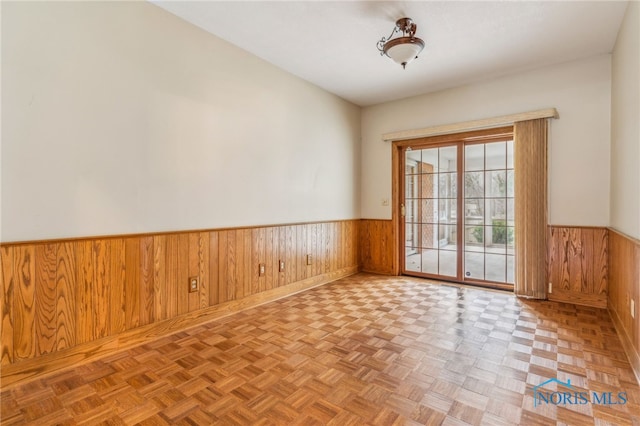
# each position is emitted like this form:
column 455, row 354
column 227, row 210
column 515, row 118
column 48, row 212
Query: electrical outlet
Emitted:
column 194, row 284
column 309, row 259
column 281, row 266
column 262, row 269
column 633, row 308
column 550, row 288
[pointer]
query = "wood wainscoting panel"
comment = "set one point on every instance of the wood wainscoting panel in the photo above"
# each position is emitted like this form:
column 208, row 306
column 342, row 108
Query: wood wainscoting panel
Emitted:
column 118, row 271
column 66, row 295
column 46, row 258
column 258, row 252
column 24, row 305
column 377, row 246
column 80, row 296
column 624, row 286
column 214, row 268
column 84, row 293
column 182, row 281
column 8, row 267
column 147, row 290
column 577, row 260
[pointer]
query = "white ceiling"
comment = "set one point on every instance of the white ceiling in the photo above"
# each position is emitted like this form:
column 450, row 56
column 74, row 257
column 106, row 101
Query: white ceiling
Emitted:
column 333, row 43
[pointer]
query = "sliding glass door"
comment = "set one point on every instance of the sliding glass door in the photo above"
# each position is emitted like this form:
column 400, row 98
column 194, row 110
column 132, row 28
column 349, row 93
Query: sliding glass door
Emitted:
column 458, row 211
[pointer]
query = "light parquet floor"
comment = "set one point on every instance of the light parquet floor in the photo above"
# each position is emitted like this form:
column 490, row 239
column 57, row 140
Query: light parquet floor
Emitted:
column 362, row 350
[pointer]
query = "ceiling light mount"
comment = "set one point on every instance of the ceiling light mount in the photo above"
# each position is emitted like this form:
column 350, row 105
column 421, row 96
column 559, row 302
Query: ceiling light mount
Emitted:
column 406, row 47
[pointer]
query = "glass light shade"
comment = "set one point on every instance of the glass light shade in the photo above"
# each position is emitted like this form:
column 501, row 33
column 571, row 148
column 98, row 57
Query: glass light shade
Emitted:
column 404, row 49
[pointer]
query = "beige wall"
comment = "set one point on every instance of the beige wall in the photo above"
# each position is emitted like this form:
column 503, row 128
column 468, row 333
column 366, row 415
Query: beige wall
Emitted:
column 579, row 140
column 121, row 118
column 625, row 126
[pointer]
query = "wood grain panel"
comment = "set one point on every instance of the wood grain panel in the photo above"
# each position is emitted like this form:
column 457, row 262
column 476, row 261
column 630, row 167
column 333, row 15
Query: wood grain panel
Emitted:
column 195, row 254
column 117, row 280
column 328, row 246
column 258, row 256
column 352, row 252
column 78, row 295
column 203, row 269
column 225, row 257
column 66, row 286
column 183, row 274
column 46, row 257
column 84, row 292
column 577, row 265
column 24, row 303
column 132, row 283
column 600, row 266
column 353, row 239
column 147, row 274
column 245, row 262
column 313, row 248
column 624, row 286
column 214, row 266
column 8, row 284
column 271, row 259
column 235, row 275
column 376, row 246
column 159, row 276
column 345, row 244
column 309, row 249
column 282, row 254
column 236, row 270
column 325, row 247
column 576, row 276
column 301, row 246
column 340, row 237
column 101, row 288
column 332, row 247
column 171, row 275
column 292, row 253
column 237, row 265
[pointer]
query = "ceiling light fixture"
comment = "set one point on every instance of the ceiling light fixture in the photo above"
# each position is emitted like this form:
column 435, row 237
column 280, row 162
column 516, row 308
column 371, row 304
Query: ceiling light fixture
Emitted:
column 405, row 48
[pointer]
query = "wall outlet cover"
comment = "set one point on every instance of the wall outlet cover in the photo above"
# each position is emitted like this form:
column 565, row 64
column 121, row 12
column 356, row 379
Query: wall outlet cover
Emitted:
column 194, row 284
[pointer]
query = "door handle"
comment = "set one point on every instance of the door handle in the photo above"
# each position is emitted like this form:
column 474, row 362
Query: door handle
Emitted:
column 403, row 211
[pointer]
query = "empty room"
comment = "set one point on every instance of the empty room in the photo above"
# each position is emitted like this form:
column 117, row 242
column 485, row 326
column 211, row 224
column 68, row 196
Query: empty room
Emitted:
column 320, row 213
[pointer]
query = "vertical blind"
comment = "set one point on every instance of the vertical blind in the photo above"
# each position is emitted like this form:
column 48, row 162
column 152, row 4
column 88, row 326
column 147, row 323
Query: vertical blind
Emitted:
column 530, row 157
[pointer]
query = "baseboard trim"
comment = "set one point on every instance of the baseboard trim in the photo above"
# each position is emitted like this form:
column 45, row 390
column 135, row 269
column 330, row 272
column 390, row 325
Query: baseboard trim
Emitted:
column 37, row 368
column 627, row 345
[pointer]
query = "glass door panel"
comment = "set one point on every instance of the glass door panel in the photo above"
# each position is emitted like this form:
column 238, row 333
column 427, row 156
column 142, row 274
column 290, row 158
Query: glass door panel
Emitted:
column 430, row 221
column 489, row 222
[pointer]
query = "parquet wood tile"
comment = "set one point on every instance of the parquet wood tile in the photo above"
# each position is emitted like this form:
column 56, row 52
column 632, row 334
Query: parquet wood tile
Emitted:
column 364, row 350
